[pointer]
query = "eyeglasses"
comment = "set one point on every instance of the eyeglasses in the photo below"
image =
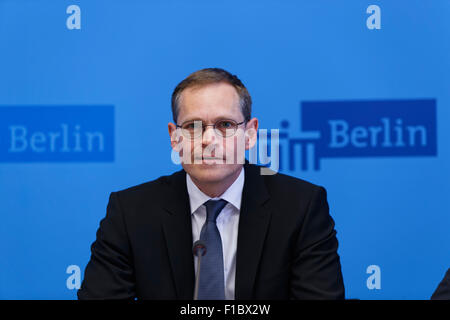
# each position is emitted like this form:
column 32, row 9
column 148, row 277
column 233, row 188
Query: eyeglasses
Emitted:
column 224, row 128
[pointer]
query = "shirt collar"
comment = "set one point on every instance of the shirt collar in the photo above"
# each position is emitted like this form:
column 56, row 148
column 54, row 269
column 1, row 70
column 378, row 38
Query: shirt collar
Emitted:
column 232, row 195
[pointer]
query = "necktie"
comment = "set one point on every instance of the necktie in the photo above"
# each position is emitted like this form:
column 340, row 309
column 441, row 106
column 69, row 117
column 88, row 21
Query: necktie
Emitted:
column 211, row 282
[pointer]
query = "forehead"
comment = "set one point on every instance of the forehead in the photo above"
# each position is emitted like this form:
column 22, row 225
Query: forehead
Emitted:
column 209, row 102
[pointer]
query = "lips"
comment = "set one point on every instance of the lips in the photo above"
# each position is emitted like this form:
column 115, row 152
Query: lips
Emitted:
column 207, row 158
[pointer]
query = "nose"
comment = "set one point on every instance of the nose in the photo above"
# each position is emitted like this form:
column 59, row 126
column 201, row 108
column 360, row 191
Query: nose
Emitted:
column 209, row 136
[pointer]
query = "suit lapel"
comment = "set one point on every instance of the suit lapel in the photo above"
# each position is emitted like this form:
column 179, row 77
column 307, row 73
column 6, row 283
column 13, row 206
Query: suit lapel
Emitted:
column 253, row 223
column 178, row 234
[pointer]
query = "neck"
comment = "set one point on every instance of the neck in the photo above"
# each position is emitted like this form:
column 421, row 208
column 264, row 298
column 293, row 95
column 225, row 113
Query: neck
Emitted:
column 216, row 189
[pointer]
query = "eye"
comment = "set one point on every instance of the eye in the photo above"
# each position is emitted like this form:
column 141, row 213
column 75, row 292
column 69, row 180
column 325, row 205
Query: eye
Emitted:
column 224, row 124
column 189, row 125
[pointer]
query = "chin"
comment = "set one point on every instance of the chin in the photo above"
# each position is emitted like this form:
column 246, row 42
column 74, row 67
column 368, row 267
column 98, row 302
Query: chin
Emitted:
column 210, row 173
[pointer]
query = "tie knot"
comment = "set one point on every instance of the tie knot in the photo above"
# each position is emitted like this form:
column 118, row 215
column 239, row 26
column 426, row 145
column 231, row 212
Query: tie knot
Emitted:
column 213, row 208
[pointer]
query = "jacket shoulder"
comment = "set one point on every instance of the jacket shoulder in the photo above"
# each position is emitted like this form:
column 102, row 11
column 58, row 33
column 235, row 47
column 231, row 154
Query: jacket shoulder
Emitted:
column 153, row 190
column 280, row 182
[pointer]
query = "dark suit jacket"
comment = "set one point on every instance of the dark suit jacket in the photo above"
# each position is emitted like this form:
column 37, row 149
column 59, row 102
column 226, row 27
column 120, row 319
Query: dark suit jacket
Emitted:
column 287, row 246
column 443, row 290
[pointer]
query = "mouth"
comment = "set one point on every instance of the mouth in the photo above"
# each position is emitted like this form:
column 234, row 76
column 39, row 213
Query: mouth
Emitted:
column 208, row 159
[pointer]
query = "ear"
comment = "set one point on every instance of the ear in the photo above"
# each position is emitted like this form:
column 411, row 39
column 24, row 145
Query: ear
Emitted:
column 251, row 133
column 175, row 137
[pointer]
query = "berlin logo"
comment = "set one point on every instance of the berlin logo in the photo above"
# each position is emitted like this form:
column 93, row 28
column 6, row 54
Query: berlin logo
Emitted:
column 57, row 134
column 357, row 129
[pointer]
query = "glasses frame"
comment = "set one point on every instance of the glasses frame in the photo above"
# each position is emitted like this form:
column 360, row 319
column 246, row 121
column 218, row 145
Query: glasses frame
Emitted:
column 217, row 131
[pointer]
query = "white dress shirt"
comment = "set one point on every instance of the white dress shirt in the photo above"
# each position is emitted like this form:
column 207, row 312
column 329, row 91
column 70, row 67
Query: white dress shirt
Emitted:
column 227, row 223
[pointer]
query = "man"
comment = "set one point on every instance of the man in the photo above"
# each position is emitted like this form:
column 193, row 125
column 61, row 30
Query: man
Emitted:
column 266, row 236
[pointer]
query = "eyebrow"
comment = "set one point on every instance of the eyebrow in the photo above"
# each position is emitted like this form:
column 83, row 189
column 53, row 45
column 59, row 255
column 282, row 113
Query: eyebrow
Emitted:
column 213, row 120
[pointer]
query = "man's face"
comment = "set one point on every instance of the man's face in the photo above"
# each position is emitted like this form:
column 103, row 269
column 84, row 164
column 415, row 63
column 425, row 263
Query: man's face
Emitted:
column 209, row 104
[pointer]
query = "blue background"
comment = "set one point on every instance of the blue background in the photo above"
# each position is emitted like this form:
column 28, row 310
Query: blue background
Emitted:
column 389, row 211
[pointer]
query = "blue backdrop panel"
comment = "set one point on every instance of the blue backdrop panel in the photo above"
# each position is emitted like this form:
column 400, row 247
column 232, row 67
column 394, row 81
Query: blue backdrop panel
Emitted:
column 360, row 95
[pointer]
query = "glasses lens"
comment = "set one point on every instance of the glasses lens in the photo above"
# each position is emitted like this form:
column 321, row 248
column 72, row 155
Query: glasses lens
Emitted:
column 226, row 128
column 192, row 129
